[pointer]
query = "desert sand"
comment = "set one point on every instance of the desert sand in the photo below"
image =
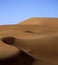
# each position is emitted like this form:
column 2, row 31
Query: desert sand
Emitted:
column 38, row 37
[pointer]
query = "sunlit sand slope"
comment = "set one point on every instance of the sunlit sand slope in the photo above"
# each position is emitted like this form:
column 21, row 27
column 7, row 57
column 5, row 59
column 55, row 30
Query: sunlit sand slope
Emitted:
column 37, row 36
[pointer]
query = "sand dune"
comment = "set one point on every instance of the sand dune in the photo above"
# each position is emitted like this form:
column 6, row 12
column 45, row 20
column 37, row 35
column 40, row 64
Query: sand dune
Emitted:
column 41, row 21
column 7, row 51
column 37, row 36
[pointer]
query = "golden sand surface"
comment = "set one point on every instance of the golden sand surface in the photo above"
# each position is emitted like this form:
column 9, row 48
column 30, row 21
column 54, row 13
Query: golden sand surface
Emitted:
column 37, row 36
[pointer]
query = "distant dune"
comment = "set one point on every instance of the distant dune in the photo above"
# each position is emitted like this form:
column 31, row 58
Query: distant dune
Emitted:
column 36, row 37
column 40, row 21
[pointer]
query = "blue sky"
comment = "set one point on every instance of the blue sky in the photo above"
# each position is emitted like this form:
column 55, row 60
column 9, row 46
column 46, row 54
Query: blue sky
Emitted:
column 15, row 11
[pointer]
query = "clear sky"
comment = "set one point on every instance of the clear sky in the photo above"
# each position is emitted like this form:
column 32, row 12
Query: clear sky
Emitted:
column 15, row 11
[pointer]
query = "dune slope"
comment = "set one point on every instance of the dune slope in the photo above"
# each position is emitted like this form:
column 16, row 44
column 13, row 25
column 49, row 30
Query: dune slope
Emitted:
column 38, row 35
